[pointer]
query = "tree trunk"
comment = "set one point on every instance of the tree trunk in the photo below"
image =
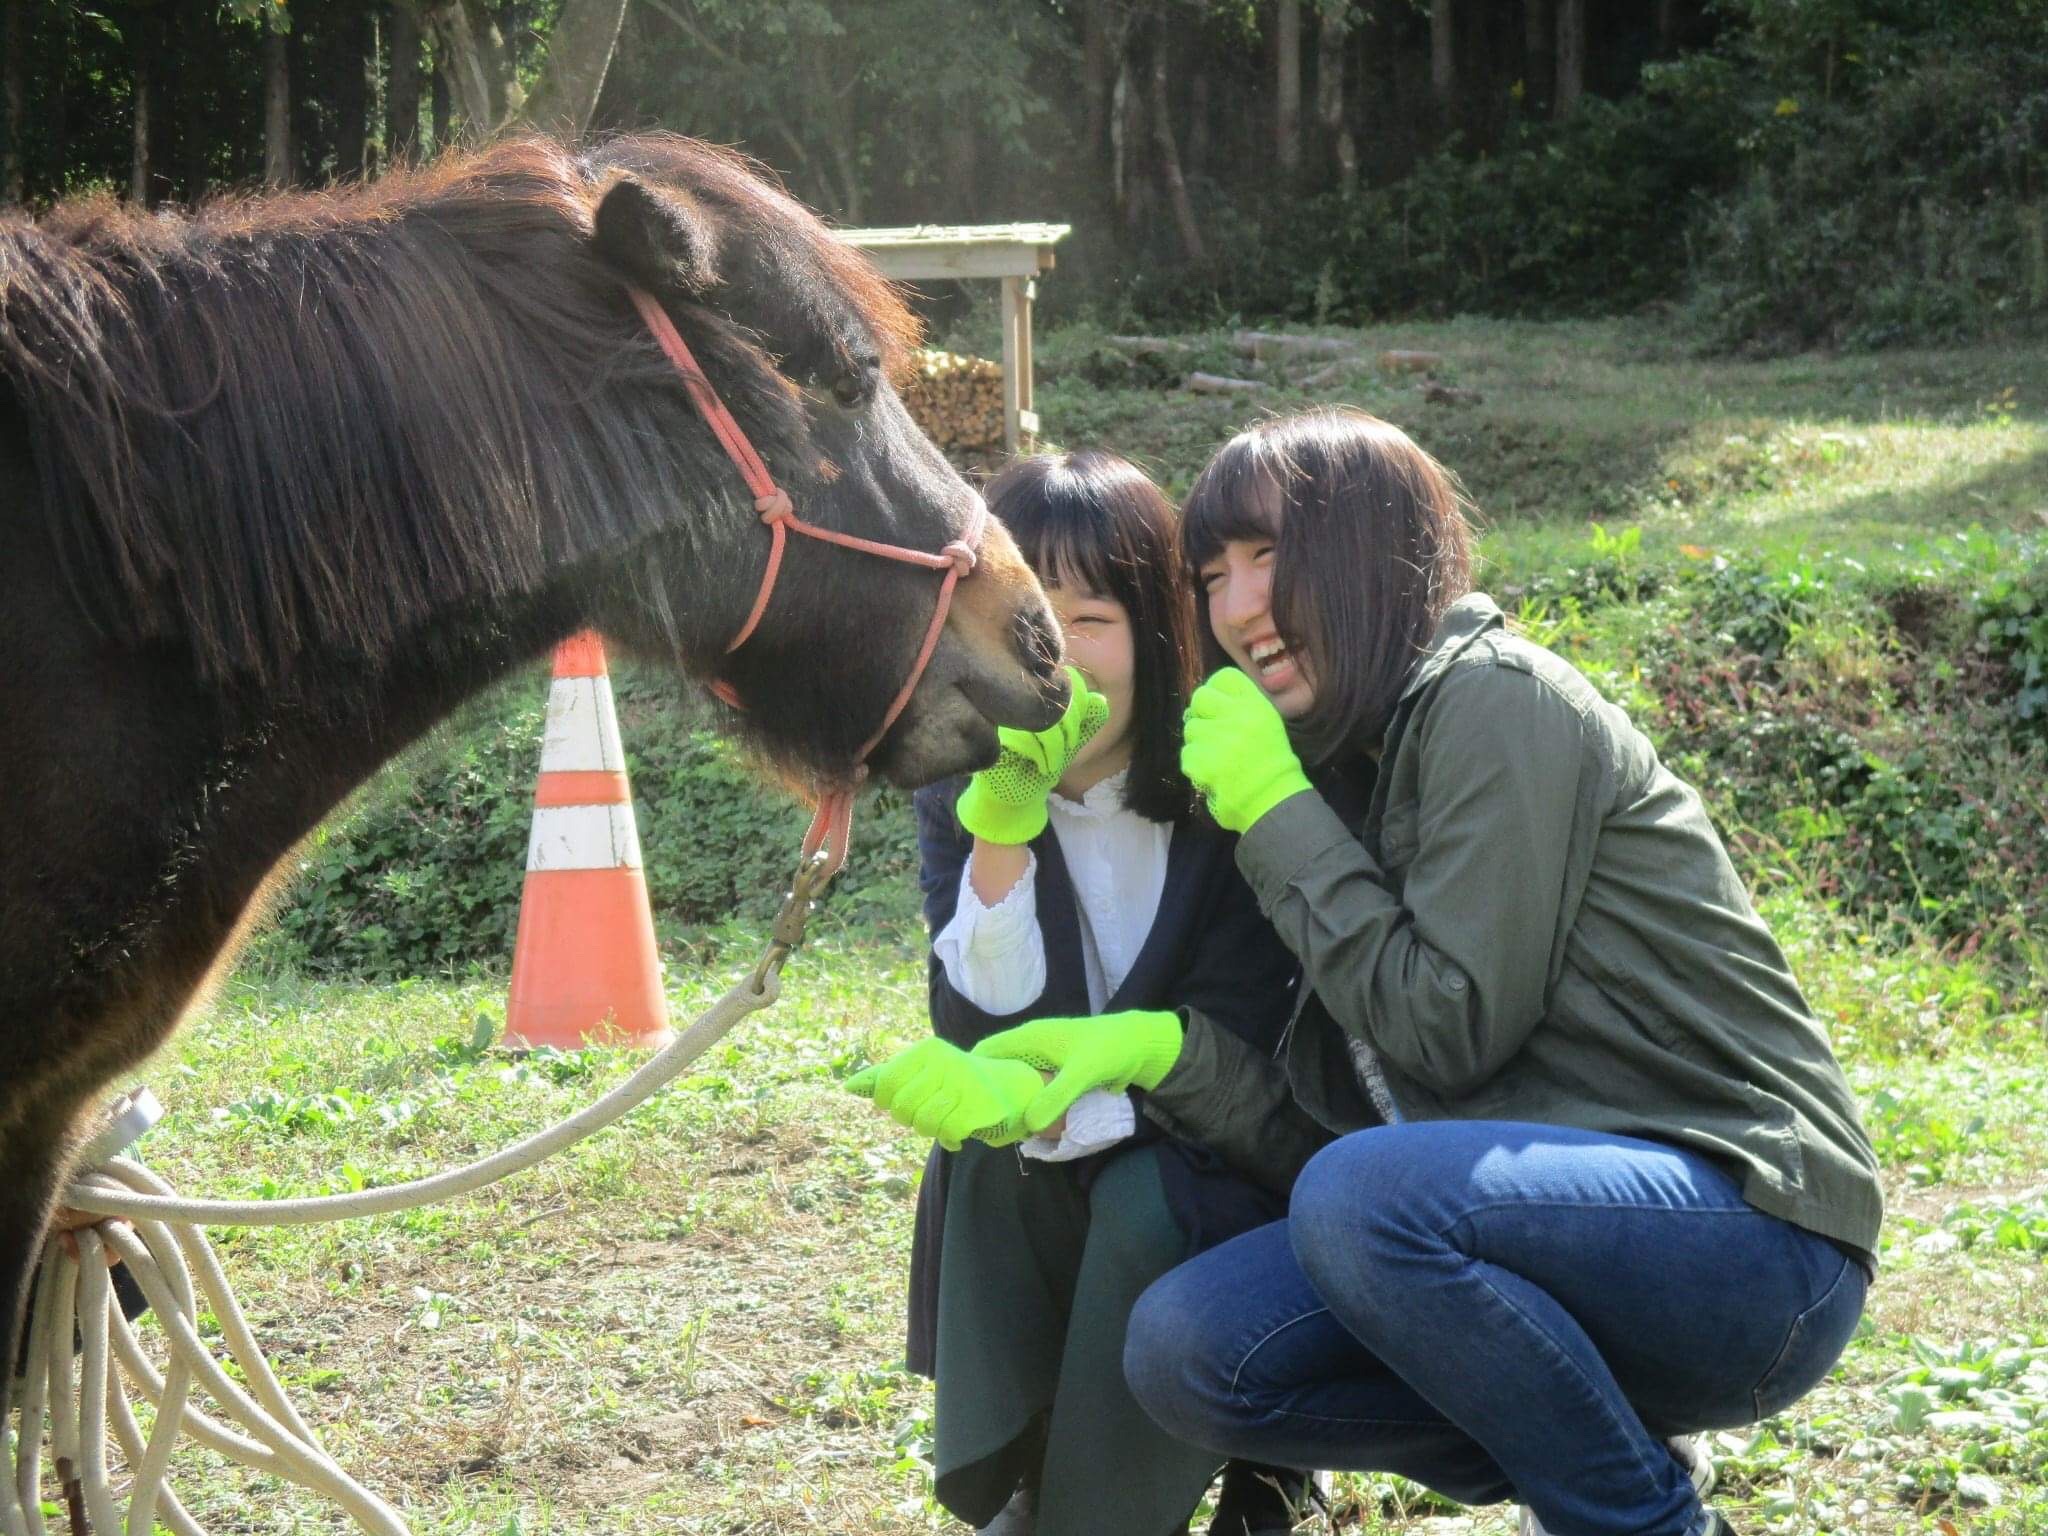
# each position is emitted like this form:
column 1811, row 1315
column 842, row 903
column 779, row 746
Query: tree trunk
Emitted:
column 963, row 167
column 1287, row 87
column 1571, row 56
column 1119, row 134
column 138, row 163
column 277, row 108
column 196, row 126
column 580, row 49
column 1169, row 156
column 851, row 205
column 1443, row 61
column 402, row 96
column 1330, row 38
column 1667, row 28
column 13, row 98
column 58, row 114
column 1539, row 53
column 374, row 151
column 463, row 67
column 354, row 53
column 443, row 108
column 1197, row 158
column 1096, row 76
column 1136, row 187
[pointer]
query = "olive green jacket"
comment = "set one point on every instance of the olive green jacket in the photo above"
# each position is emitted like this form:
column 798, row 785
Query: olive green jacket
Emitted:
column 1535, row 921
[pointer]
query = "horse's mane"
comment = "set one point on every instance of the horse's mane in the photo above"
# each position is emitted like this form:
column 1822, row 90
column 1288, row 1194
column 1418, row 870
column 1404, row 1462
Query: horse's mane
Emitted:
column 315, row 419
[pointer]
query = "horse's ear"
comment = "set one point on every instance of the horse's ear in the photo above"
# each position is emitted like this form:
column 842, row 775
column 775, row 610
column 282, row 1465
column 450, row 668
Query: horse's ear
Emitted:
column 659, row 239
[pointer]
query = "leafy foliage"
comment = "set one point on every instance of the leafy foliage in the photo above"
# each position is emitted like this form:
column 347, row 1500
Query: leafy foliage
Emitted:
column 422, row 876
column 1896, row 776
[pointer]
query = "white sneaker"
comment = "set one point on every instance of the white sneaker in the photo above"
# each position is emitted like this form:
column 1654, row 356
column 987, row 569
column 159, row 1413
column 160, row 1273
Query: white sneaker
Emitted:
column 1685, row 1450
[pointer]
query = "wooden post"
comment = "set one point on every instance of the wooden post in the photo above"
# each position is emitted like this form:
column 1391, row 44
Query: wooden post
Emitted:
column 1014, row 347
column 1027, row 409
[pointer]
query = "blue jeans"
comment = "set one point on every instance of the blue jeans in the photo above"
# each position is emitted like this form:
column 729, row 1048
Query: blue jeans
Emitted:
column 1498, row 1311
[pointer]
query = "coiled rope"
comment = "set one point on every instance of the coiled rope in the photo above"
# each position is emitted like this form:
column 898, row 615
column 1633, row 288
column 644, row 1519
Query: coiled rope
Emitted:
column 84, row 1359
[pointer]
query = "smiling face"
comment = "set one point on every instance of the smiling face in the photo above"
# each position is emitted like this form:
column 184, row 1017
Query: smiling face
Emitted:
column 1100, row 535
column 1327, row 546
column 1237, row 591
column 1097, row 629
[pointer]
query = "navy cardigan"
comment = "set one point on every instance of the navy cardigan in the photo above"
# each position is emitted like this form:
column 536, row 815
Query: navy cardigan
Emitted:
column 1209, row 950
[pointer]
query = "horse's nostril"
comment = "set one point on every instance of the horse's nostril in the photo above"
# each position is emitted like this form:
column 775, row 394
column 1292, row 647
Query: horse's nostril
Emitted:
column 1038, row 643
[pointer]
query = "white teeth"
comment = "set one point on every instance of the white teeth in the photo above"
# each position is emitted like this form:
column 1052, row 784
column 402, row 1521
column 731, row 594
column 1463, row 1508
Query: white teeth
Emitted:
column 1266, row 650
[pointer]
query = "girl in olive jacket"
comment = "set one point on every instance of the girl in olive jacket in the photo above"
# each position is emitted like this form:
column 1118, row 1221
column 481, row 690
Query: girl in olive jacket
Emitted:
column 1598, row 1180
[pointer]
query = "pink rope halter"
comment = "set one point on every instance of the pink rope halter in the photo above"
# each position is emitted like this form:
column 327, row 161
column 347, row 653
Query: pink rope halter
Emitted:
column 833, row 824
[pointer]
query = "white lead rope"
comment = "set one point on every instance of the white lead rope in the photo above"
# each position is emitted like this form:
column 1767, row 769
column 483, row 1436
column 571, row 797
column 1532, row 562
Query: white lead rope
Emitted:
column 84, row 1359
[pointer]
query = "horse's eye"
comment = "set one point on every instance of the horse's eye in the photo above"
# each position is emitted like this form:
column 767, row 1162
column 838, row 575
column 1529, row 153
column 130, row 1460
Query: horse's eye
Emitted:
column 850, row 389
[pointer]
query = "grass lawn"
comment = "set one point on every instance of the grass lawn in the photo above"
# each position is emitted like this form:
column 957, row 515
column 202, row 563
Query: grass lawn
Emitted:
column 693, row 1322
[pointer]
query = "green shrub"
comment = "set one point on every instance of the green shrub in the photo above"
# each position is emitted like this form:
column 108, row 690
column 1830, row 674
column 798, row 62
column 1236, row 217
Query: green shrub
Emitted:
column 2011, row 616
column 1915, row 210
column 422, row 874
column 1587, row 216
column 1896, row 775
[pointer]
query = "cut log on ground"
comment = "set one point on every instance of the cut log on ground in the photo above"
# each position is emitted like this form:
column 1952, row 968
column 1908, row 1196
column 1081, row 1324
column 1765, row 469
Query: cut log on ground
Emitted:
column 1216, row 384
column 1411, row 362
column 1149, row 346
column 1265, row 346
column 1325, row 376
column 1446, row 394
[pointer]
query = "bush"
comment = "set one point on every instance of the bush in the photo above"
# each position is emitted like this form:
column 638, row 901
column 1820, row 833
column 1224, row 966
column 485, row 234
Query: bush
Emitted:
column 1914, row 212
column 422, row 874
column 1583, row 217
column 1894, row 772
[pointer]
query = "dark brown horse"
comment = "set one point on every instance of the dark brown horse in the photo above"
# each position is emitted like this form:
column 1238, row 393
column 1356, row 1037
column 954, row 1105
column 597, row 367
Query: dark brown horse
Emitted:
column 283, row 481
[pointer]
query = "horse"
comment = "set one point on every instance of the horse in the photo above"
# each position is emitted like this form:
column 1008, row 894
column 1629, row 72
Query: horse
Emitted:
column 284, row 479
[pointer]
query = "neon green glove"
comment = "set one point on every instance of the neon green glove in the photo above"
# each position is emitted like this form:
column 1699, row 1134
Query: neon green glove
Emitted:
column 1234, row 749
column 1107, row 1050
column 1006, row 803
column 938, row 1090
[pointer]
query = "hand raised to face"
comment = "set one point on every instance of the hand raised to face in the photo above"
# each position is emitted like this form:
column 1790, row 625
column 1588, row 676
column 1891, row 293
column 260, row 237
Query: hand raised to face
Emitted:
column 1234, row 749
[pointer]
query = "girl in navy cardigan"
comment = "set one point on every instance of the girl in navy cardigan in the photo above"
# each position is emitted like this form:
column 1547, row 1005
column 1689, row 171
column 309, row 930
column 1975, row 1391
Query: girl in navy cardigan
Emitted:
column 1028, row 1259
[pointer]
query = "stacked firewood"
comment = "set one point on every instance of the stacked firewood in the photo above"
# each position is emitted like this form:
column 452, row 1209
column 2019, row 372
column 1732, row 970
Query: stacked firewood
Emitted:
column 958, row 401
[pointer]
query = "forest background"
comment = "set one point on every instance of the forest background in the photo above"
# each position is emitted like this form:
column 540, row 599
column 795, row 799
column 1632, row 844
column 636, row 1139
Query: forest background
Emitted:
column 1785, row 173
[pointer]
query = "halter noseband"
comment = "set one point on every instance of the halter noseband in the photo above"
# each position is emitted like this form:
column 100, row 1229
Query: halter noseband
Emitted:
column 833, row 823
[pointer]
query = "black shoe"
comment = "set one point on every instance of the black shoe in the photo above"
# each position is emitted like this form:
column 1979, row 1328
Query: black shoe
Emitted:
column 1260, row 1501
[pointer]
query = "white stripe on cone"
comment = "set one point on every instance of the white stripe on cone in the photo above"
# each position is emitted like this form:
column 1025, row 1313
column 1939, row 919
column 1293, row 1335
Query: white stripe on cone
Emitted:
column 583, row 837
column 582, row 733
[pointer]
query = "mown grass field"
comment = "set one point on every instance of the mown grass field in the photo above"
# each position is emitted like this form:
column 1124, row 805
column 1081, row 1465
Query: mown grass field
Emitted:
column 693, row 1322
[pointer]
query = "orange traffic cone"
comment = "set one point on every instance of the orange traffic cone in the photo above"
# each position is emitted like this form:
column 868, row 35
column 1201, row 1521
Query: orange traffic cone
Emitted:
column 584, row 970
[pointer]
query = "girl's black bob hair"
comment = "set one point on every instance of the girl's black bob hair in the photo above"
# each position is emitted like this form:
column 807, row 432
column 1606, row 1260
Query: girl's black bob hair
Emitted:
column 1094, row 520
column 1370, row 546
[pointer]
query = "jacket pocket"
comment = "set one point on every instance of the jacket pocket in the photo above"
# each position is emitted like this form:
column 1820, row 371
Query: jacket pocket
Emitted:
column 1814, row 1342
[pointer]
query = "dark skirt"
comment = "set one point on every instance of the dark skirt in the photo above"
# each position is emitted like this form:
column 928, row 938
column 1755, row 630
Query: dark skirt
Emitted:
column 1209, row 1203
column 1042, row 1263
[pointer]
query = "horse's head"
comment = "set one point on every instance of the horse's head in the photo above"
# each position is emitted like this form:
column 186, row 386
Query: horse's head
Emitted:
column 314, row 439
column 800, row 338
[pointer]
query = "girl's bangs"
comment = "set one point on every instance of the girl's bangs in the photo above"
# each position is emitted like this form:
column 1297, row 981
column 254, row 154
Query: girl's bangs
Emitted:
column 1225, row 503
column 1070, row 548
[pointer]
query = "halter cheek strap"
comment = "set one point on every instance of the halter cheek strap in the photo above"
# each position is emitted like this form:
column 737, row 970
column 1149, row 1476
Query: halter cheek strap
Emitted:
column 832, row 825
